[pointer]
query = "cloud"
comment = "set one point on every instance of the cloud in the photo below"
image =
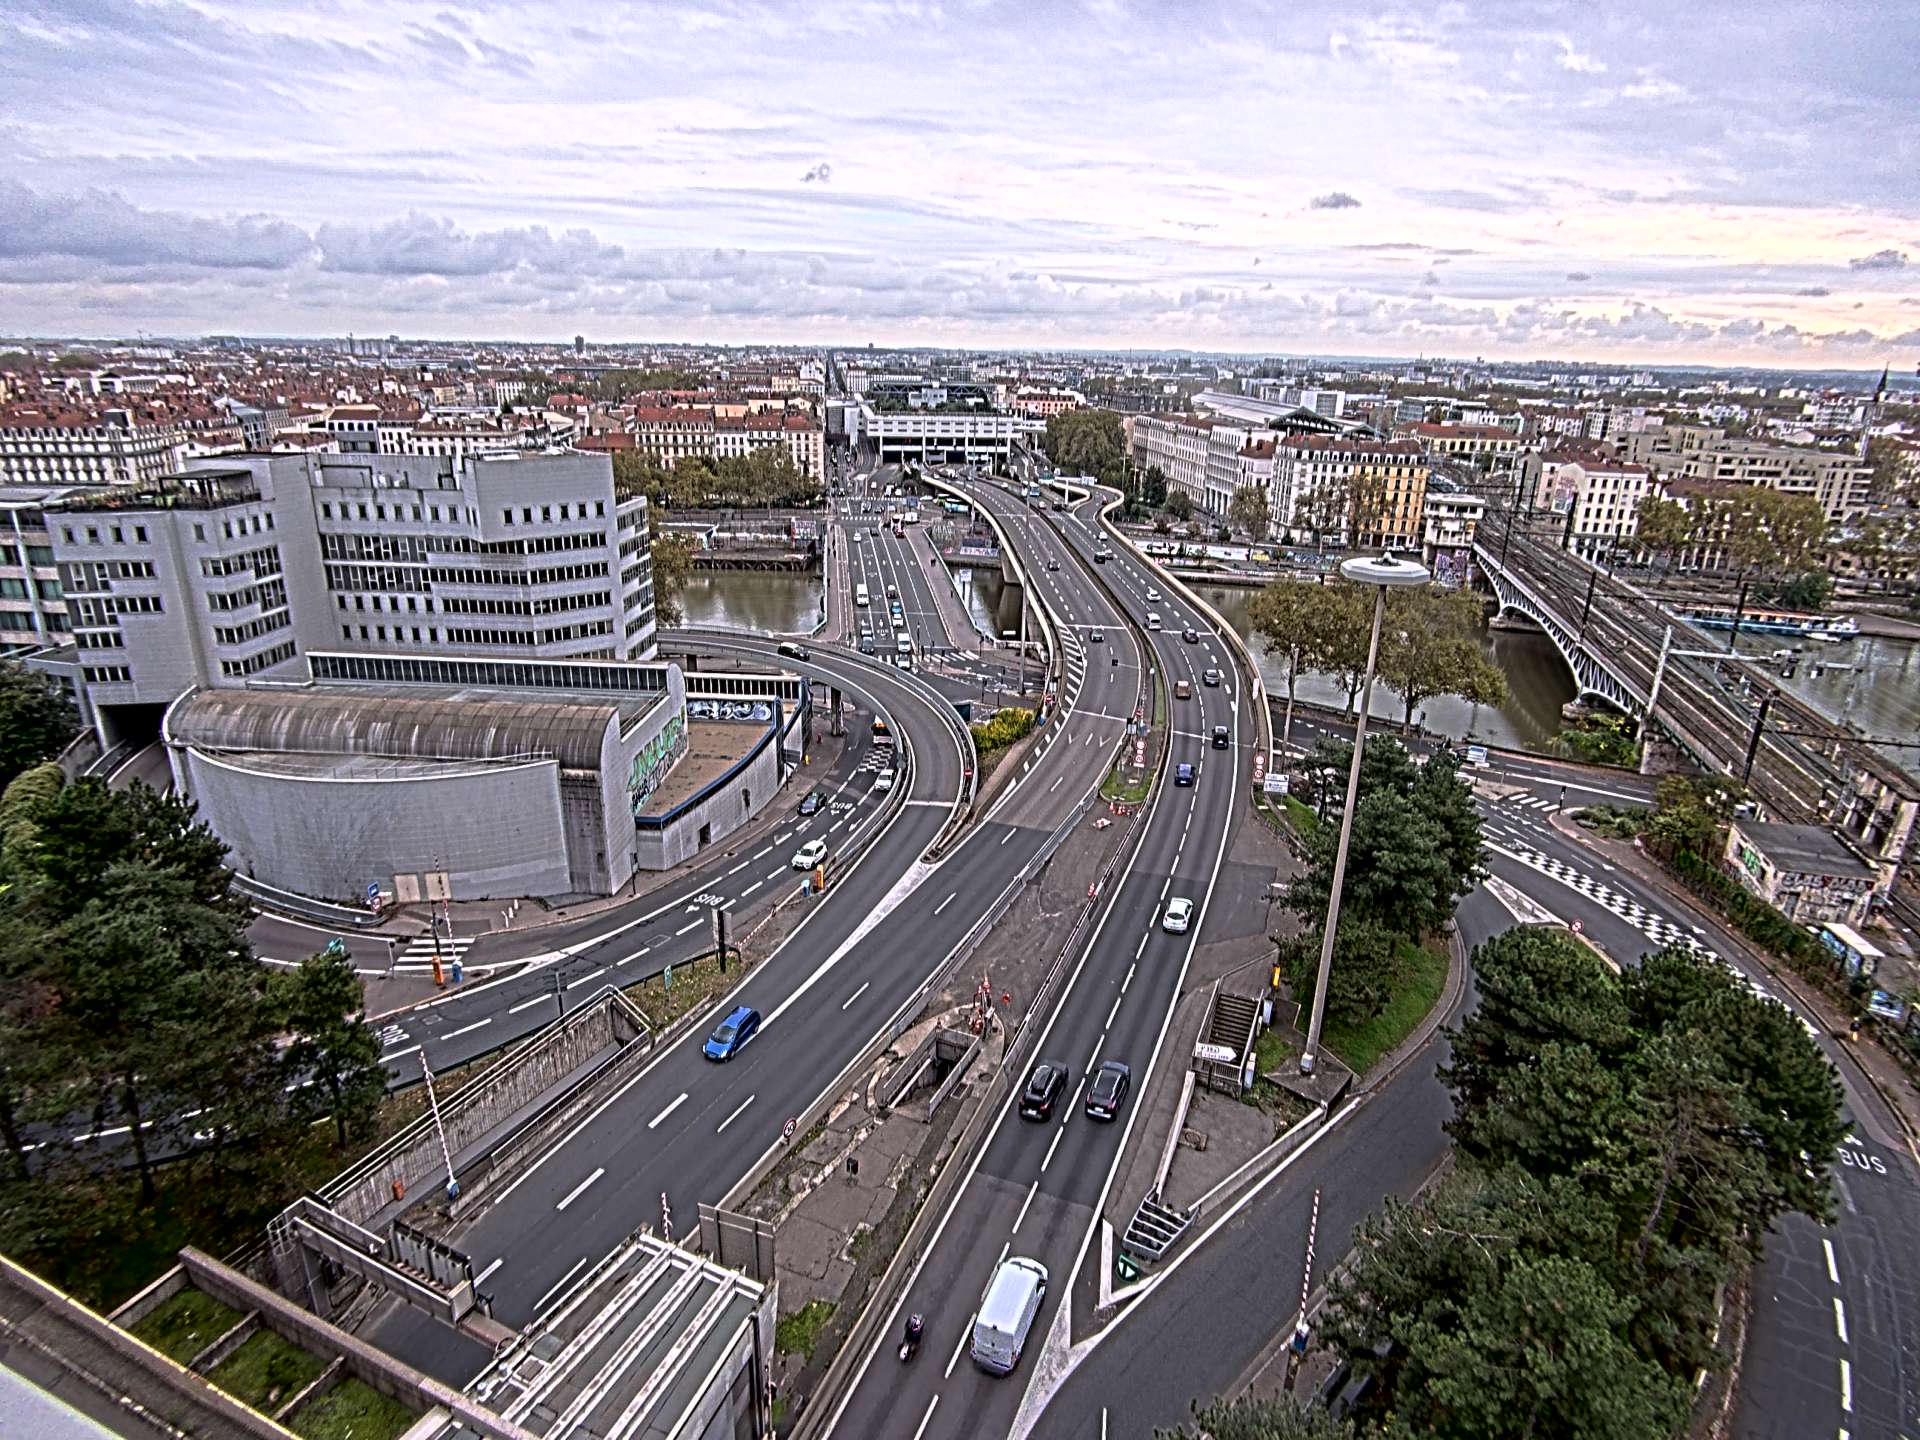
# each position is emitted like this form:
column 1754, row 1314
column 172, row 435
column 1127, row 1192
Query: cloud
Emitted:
column 1333, row 200
column 94, row 225
column 823, row 172
column 1880, row 260
column 1571, row 58
column 1578, row 276
column 1814, row 291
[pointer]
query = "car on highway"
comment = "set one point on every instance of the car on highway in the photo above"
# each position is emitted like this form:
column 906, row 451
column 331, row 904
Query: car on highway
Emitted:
column 1108, row 1090
column 1220, row 737
column 741, row 1024
column 1190, row 635
column 1179, row 915
column 809, row 854
column 1210, row 677
column 883, row 782
column 1102, row 555
column 1183, row 774
column 893, row 592
column 859, row 535
column 1044, row 1084
column 1152, row 594
column 813, row 802
column 792, row 651
column 1007, row 1311
column 1052, row 564
column 1183, row 690
column 1094, row 637
column 867, row 647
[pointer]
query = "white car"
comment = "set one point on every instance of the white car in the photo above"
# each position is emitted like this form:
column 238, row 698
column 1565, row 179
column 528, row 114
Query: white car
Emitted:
column 1152, row 594
column 1178, row 917
column 883, row 782
column 809, row 854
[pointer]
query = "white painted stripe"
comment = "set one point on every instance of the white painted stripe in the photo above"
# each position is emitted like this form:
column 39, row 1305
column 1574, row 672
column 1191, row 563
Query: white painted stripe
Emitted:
column 1833, row 1270
column 1050, row 1149
column 591, row 975
column 398, row 1055
column 1840, row 1320
column 856, row 994
column 672, row 1106
column 751, row 888
column 527, row 1004
column 695, row 924
column 468, row 1029
column 575, row 1193
column 1846, row 1387
column 559, row 1285
column 736, row 1113
column 944, row 903
column 481, row 1277
column 1023, row 1206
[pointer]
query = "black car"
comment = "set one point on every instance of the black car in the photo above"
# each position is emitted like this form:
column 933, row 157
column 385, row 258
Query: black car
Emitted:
column 1044, row 1085
column 1183, row 774
column 1109, row 1088
column 867, row 646
column 1190, row 635
column 814, row 800
column 1219, row 737
column 1052, row 564
column 792, row 651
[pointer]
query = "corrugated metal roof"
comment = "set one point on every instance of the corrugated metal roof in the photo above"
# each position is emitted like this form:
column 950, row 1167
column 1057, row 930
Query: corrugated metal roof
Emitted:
column 357, row 722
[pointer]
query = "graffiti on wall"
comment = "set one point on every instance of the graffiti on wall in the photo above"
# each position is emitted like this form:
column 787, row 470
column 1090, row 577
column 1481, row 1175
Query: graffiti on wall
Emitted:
column 654, row 760
column 760, row 711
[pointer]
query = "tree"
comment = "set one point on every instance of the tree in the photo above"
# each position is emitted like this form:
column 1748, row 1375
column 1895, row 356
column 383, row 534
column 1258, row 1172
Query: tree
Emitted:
column 1301, row 620
column 1153, row 488
column 1887, row 463
column 1260, row 1420
column 1087, row 442
column 37, row 720
column 1766, row 534
column 1690, row 815
column 333, row 1063
column 1664, row 527
column 672, row 564
column 1251, row 512
column 1365, row 964
column 1430, row 646
column 1180, row 505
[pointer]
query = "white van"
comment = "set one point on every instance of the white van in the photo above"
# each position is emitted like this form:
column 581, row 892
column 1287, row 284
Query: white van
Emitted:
column 903, row 646
column 1153, row 619
column 1007, row 1313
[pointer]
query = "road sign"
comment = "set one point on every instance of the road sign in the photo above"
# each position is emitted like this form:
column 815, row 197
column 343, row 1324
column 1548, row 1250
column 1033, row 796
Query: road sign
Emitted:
column 373, row 890
column 1575, row 927
column 786, row 1130
column 1275, row 782
column 1477, row 755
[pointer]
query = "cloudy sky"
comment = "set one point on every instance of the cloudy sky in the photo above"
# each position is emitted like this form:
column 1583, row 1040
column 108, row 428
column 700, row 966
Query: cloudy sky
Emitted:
column 1718, row 180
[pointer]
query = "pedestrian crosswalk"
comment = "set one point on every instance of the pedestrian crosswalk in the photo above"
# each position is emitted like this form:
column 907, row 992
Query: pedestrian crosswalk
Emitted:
column 418, row 953
column 1526, row 800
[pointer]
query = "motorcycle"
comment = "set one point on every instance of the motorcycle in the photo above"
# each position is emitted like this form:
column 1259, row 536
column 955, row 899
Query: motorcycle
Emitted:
column 910, row 1342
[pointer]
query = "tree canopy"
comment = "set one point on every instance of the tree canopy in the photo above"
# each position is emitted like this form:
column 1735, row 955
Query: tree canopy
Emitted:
column 763, row 477
column 1087, row 442
column 37, row 720
column 1251, row 512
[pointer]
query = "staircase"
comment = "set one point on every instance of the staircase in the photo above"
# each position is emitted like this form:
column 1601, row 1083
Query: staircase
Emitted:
column 1153, row 1230
column 1232, row 1022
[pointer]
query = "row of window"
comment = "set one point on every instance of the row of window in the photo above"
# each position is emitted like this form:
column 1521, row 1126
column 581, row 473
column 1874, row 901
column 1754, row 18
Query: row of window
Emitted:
column 254, row 664
column 269, row 595
column 36, row 555
column 261, row 562
column 547, row 516
column 100, row 640
column 17, row 589
column 107, row 674
column 252, row 629
column 16, row 620
column 361, row 578
column 118, row 533
column 590, row 599
column 414, row 511
column 547, row 575
column 585, row 630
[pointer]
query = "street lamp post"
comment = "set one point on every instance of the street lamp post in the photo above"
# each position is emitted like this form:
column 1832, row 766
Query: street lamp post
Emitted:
column 1386, row 573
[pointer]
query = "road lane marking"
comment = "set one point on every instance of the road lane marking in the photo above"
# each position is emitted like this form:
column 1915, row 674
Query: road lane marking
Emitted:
column 1053, row 1147
column 559, row 1285
column 387, row 1059
column 1008, row 836
column 736, row 1113
column 672, row 1106
column 575, row 1193
column 481, row 1277
column 1016, row 1219
column 1128, row 981
column 751, row 888
column 467, row 1029
column 952, row 1360
column 1115, row 1010
column 856, row 994
column 1846, row 1387
column 590, row 975
column 690, row 925
column 738, row 868
column 527, row 1004
column 944, row 903
column 1833, row 1270
column 1840, row 1320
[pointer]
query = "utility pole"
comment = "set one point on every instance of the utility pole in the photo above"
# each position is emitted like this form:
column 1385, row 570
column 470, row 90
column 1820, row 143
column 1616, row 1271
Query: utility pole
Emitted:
column 1593, row 579
column 1659, row 674
column 433, row 1104
column 1753, row 740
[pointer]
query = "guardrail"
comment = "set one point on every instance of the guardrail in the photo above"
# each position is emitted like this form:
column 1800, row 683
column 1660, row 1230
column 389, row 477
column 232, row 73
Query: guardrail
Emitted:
column 271, row 897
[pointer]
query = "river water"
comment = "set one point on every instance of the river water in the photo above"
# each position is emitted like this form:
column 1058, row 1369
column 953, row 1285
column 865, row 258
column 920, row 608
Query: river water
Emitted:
column 1874, row 682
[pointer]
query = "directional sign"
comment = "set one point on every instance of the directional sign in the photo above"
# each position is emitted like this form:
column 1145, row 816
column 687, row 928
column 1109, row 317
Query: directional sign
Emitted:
column 373, row 890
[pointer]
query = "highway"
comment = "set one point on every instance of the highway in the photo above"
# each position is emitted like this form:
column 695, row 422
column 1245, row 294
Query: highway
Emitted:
column 689, row 1128
column 1038, row 1189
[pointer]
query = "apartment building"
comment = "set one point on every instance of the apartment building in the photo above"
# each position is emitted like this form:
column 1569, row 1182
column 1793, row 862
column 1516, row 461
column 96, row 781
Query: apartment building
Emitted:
column 1490, row 445
column 1450, row 519
column 1704, row 454
column 1598, row 493
column 1352, row 491
column 670, row 434
column 228, row 572
column 53, row 445
column 1203, row 458
column 1043, row 403
column 33, row 608
column 798, row 435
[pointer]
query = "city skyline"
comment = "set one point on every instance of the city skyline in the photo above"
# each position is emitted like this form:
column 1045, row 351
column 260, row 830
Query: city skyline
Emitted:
column 1506, row 180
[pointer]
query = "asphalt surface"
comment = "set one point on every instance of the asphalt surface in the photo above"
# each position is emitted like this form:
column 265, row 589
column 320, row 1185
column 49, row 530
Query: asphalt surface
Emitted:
column 690, row 1129
column 1038, row 1188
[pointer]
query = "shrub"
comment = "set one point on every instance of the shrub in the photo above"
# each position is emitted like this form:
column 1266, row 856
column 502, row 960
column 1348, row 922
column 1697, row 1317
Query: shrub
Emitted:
column 1004, row 728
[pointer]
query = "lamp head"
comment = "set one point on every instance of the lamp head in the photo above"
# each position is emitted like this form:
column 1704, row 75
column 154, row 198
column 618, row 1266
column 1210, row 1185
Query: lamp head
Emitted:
column 1387, row 569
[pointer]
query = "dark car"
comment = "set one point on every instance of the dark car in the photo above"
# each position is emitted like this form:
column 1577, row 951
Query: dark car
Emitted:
column 1044, row 1085
column 1210, row 677
column 1190, row 635
column 1108, row 1090
column 741, row 1025
column 867, row 646
column 1052, row 564
column 1219, row 737
column 1183, row 774
column 792, row 651
column 812, row 803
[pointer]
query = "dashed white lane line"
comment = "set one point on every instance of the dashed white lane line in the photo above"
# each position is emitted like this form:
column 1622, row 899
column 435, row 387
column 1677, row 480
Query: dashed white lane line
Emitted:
column 949, row 900
column 757, row 884
column 1050, row 1149
column 468, row 1029
column 575, row 1193
column 952, row 1360
column 1118, row 998
column 480, row 1279
column 1846, row 1387
column 386, row 1059
column 856, row 994
column 590, row 975
column 738, row 868
column 736, row 1113
column 528, row 1004
column 672, row 1106
column 1833, row 1270
column 1023, row 1207
column 1840, row 1320
column 559, row 1285
column 693, row 925
column 1008, row 836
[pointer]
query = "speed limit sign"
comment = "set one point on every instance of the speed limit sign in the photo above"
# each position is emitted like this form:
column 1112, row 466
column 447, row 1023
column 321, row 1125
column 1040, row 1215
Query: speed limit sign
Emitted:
column 786, row 1130
column 1575, row 927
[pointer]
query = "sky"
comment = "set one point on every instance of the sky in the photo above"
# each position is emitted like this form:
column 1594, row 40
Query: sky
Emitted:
column 1657, row 181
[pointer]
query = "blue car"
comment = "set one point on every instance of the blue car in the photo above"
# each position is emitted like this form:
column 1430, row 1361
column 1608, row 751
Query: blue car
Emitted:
column 740, row 1026
column 1183, row 774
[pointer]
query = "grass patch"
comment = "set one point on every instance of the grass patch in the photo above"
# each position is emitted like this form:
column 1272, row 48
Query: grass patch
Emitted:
column 352, row 1410
column 186, row 1324
column 694, row 984
column 1300, row 815
column 1612, row 821
column 266, row 1371
column 1420, row 975
column 1128, row 792
column 798, row 1333
column 1270, row 1051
